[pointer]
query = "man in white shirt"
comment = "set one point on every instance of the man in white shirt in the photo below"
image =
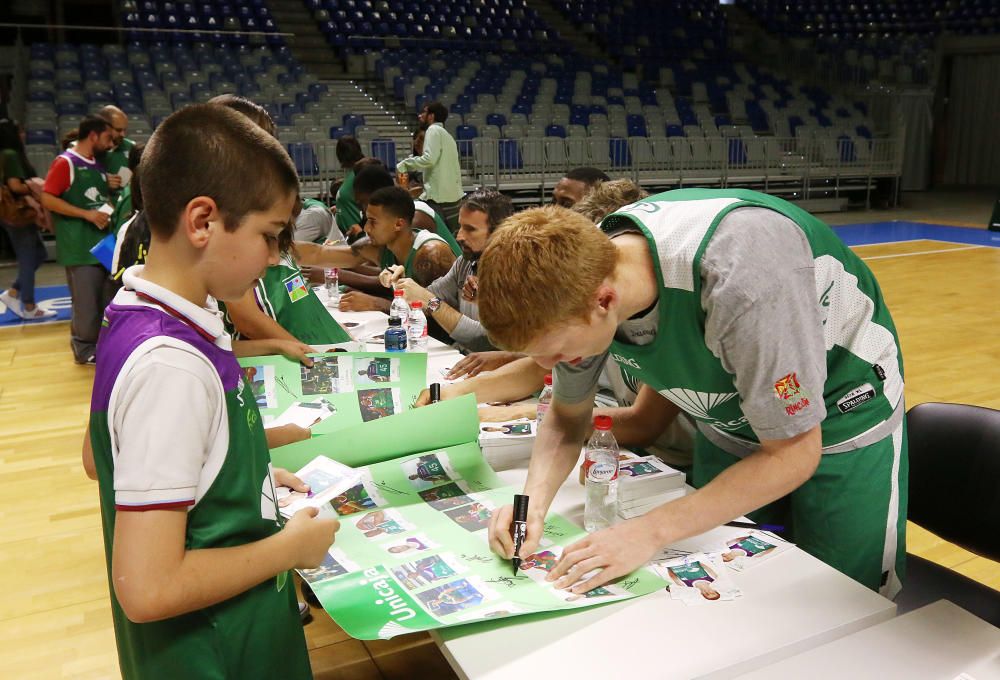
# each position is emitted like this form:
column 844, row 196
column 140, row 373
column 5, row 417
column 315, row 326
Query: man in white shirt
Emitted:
column 439, row 164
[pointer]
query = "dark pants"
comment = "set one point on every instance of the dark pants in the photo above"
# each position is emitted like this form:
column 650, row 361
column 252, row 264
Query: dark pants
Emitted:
column 448, row 212
column 91, row 289
column 30, row 253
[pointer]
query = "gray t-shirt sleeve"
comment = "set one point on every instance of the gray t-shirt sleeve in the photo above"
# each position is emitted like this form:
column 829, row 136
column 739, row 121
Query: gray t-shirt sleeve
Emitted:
column 446, row 288
column 471, row 335
column 313, row 224
column 763, row 320
column 573, row 384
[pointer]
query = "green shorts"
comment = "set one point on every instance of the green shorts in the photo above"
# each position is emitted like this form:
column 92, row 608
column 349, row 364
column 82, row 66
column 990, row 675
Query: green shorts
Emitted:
column 850, row 514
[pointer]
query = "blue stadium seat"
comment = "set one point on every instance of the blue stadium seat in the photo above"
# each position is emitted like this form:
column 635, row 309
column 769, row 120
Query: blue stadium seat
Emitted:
column 555, row 131
column 304, row 157
column 509, row 155
column 385, row 151
column 619, row 153
column 41, row 137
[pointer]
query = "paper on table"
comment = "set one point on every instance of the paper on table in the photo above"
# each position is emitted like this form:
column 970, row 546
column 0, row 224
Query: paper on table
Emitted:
column 305, row 413
column 446, row 423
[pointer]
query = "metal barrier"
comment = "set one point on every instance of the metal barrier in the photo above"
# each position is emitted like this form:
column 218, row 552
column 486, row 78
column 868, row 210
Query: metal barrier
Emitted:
column 804, row 165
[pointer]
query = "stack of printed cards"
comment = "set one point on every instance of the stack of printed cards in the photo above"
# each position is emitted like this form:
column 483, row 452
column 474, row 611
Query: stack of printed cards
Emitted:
column 644, row 483
column 508, row 443
column 327, row 479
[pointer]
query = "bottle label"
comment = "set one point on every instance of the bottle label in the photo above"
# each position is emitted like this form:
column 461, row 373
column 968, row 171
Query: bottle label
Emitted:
column 600, row 471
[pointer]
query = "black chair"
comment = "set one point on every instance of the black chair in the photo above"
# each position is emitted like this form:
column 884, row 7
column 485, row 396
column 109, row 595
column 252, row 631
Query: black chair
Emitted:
column 955, row 493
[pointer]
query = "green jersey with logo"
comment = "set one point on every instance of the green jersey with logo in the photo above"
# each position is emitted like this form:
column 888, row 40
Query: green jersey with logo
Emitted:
column 255, row 634
column 862, row 354
column 88, row 190
column 285, row 295
column 420, row 237
column 117, row 158
column 689, row 573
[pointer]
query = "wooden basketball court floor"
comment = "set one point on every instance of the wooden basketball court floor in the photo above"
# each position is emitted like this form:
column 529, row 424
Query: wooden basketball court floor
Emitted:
column 55, row 618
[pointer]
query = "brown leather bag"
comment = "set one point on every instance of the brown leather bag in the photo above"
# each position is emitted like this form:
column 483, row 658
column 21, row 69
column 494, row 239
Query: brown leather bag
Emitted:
column 14, row 210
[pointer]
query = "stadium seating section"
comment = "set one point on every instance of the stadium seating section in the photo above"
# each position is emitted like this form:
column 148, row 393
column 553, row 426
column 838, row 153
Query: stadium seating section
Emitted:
column 671, row 106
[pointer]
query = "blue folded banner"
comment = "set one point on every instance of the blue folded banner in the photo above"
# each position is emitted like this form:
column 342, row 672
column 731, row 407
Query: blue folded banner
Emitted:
column 104, row 251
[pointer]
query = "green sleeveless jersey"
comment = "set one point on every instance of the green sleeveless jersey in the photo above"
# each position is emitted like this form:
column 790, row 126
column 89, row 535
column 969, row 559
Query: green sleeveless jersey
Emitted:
column 117, row 158
column 257, row 633
column 285, row 295
column 442, row 227
column 421, row 237
column 348, row 212
column 88, row 190
column 864, row 383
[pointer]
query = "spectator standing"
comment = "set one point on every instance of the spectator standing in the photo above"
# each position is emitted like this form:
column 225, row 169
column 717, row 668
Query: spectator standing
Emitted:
column 16, row 172
column 439, row 165
column 76, row 188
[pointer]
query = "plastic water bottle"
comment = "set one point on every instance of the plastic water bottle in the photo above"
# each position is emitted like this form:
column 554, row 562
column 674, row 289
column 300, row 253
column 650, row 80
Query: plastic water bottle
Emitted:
column 395, row 336
column 601, row 472
column 544, row 399
column 332, row 278
column 418, row 327
column 399, row 309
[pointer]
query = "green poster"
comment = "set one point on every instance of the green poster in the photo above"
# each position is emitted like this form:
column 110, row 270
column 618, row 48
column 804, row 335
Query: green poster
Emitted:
column 359, row 386
column 446, row 423
column 412, row 551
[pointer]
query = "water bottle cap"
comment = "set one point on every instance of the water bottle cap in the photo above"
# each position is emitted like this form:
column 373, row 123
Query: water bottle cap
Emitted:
column 602, row 423
column 398, row 292
column 548, row 380
column 416, row 304
column 395, row 321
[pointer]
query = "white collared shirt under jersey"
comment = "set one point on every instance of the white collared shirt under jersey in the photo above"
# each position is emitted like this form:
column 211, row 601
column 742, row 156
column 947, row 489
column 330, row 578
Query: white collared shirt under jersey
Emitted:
column 167, row 411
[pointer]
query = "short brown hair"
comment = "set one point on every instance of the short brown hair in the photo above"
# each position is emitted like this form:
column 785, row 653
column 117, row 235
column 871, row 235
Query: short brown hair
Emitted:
column 607, row 197
column 252, row 110
column 213, row 151
column 552, row 251
column 490, row 201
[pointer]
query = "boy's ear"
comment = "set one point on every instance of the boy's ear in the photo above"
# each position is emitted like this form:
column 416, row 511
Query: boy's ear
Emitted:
column 196, row 219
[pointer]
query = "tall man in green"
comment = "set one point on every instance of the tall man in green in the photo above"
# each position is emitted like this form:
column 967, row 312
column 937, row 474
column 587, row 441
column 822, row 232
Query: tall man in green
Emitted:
column 76, row 188
column 751, row 316
column 116, row 158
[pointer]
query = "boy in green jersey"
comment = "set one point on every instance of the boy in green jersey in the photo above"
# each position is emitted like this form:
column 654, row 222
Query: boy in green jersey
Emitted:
column 752, row 317
column 197, row 553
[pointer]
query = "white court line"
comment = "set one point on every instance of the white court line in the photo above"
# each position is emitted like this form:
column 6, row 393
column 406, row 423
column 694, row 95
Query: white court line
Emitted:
column 920, row 252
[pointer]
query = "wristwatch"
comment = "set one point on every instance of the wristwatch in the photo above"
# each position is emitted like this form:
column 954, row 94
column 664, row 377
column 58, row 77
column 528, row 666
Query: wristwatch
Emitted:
column 433, row 304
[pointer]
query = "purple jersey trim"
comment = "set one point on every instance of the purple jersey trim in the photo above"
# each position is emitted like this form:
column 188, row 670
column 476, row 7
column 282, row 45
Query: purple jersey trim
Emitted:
column 128, row 326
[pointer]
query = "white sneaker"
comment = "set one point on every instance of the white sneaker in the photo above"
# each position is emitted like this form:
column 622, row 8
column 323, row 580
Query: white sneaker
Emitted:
column 13, row 304
column 35, row 314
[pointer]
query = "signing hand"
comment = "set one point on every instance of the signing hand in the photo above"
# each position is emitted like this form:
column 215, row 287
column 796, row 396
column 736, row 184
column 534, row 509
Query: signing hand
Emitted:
column 356, row 301
column 616, row 551
column 501, row 541
column 424, row 398
column 477, row 362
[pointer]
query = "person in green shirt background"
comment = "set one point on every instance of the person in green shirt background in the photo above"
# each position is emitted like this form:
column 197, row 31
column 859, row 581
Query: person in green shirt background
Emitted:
column 117, row 157
column 348, row 212
column 26, row 241
column 77, row 191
